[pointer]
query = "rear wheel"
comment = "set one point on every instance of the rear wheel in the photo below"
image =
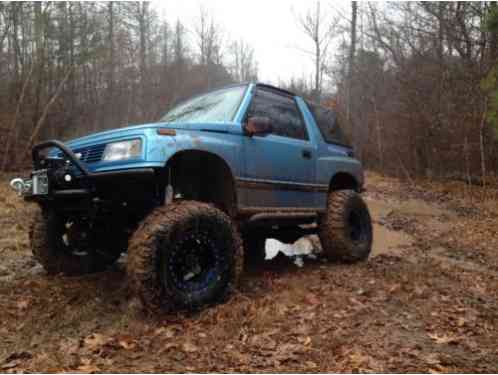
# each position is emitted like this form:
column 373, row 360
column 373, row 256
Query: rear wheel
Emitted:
column 73, row 245
column 184, row 255
column 346, row 228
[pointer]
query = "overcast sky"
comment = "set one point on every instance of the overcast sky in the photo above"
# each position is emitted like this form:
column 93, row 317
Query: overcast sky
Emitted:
column 269, row 26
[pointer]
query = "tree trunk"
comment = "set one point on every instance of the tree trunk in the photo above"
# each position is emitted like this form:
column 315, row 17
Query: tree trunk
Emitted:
column 111, row 64
column 352, row 48
column 379, row 137
column 318, row 54
column 481, row 143
column 41, row 120
column 142, row 22
column 12, row 129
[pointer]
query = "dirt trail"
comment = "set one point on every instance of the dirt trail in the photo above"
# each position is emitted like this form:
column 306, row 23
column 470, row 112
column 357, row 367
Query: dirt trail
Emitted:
column 426, row 301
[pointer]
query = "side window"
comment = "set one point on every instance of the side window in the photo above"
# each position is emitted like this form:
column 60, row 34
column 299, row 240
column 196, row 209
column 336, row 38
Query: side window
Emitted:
column 328, row 124
column 282, row 111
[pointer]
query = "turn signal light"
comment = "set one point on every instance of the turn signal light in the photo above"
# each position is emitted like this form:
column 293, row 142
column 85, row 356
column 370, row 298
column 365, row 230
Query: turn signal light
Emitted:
column 164, row 131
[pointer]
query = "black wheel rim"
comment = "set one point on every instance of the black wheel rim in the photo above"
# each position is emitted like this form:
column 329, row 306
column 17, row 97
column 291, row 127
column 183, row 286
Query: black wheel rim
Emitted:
column 194, row 262
column 358, row 224
column 75, row 237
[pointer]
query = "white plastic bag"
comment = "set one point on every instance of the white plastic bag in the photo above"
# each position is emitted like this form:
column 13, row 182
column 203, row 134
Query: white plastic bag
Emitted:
column 297, row 250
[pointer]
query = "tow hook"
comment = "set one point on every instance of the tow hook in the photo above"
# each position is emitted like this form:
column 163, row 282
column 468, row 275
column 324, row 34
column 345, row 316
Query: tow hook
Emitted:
column 19, row 185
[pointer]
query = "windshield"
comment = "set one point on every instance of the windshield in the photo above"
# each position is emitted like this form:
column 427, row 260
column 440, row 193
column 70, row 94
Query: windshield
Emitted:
column 216, row 106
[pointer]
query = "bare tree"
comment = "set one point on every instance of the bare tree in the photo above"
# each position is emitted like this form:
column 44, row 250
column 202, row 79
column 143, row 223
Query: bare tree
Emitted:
column 352, row 48
column 209, row 40
column 209, row 37
column 319, row 27
column 244, row 67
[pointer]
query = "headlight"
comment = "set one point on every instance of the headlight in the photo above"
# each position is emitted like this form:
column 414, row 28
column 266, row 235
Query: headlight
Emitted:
column 122, row 150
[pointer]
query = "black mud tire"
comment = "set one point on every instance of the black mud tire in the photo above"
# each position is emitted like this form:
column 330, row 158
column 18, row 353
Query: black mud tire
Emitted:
column 156, row 267
column 345, row 230
column 49, row 249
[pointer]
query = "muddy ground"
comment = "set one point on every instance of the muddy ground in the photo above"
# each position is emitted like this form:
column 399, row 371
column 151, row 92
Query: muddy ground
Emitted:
column 426, row 301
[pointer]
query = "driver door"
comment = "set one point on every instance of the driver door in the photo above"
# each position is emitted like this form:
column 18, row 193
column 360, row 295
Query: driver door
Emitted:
column 279, row 168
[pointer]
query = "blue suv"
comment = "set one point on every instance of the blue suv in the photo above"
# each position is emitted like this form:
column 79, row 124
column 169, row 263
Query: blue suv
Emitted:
column 192, row 195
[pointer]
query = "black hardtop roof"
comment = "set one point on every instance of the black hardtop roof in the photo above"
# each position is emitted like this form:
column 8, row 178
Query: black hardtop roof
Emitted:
column 274, row 88
column 262, row 85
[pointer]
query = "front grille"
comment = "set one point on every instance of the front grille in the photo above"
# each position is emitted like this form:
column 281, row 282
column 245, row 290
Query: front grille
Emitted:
column 89, row 154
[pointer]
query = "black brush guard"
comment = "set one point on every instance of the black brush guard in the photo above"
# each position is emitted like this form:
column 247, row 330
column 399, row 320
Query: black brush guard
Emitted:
column 37, row 161
column 87, row 178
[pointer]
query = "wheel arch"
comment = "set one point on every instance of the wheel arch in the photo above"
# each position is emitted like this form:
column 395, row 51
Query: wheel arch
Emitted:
column 205, row 176
column 344, row 181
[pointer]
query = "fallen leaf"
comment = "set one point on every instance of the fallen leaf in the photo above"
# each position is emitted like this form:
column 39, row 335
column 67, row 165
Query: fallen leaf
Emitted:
column 432, row 359
column 311, row 299
column 444, row 339
column 86, row 366
column 10, row 364
column 357, row 359
column 168, row 346
column 88, row 369
column 189, row 347
column 22, row 304
column 281, row 309
column 95, row 341
column 310, row 364
column 394, row 288
column 165, row 331
column 127, row 343
column 438, row 369
column 419, row 290
column 305, row 340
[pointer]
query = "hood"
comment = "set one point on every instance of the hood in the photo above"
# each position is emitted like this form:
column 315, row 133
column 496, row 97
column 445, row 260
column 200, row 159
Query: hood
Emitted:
column 130, row 131
column 111, row 134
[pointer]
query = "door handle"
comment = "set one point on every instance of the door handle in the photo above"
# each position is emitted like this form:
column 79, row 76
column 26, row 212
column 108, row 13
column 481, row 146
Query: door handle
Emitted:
column 306, row 154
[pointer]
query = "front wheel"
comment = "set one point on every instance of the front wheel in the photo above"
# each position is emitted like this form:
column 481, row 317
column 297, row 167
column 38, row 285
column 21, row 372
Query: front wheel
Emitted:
column 184, row 255
column 346, row 228
column 73, row 245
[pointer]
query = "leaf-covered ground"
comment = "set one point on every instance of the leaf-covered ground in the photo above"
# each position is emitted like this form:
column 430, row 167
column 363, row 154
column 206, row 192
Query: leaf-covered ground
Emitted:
column 426, row 301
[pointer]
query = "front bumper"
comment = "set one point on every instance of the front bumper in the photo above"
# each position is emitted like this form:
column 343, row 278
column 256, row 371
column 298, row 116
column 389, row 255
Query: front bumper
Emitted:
column 68, row 178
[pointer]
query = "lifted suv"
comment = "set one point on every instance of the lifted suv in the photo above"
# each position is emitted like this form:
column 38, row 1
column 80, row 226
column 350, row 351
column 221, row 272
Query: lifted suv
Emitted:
column 219, row 173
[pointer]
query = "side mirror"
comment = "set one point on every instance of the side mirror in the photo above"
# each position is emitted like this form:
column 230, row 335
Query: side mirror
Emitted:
column 258, row 126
